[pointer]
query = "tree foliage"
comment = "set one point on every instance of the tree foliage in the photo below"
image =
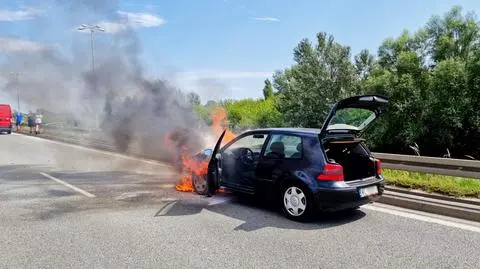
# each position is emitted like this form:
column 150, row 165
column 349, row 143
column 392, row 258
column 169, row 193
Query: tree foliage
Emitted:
column 251, row 113
column 323, row 73
column 193, row 99
column 267, row 90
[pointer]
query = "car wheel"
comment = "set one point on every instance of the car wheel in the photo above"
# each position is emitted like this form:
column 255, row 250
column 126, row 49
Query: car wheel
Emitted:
column 296, row 202
column 199, row 184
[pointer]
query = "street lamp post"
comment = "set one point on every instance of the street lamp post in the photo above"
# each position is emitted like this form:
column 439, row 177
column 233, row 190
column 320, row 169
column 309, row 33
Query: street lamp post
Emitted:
column 92, row 29
column 17, row 74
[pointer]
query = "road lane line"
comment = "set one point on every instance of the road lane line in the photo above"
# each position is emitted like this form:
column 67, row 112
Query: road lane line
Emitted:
column 166, row 186
column 432, row 218
column 86, row 193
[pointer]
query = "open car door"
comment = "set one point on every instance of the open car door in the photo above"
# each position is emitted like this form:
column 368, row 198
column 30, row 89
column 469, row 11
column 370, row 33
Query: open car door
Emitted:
column 213, row 175
column 354, row 114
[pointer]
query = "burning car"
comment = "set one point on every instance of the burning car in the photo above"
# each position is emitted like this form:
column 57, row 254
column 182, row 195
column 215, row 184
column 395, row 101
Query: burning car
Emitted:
column 304, row 170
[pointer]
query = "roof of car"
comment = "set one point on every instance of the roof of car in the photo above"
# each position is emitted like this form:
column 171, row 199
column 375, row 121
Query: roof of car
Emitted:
column 290, row 130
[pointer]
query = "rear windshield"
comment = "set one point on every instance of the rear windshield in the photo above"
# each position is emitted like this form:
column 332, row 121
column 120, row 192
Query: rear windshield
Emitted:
column 351, row 118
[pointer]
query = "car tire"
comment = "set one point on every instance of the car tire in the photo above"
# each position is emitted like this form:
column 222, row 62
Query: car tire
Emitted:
column 296, row 202
column 199, row 184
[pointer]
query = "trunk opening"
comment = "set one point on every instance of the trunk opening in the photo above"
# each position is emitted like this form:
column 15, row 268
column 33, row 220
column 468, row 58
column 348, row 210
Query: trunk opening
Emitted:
column 353, row 156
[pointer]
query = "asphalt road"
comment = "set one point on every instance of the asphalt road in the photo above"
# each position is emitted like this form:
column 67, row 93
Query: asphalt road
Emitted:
column 65, row 206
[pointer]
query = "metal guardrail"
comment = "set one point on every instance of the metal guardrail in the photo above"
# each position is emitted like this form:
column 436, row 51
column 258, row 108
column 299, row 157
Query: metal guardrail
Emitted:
column 435, row 165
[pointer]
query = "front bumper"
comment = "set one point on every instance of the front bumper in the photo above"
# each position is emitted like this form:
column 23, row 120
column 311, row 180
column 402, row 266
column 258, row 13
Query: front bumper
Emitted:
column 346, row 195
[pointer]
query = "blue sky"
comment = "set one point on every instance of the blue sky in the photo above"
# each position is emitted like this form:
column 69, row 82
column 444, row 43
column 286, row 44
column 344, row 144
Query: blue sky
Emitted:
column 218, row 48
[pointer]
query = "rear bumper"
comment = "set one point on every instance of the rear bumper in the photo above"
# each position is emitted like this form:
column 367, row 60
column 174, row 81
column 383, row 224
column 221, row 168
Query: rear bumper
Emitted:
column 346, row 195
column 5, row 129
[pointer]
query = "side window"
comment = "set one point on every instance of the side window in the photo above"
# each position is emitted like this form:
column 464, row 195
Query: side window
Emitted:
column 284, row 146
column 254, row 142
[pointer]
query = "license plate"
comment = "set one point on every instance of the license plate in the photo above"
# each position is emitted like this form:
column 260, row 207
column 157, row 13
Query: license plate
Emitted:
column 368, row 191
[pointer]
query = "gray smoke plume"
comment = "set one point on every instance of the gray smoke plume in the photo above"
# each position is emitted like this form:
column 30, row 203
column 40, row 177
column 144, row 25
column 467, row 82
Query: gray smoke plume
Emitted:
column 134, row 111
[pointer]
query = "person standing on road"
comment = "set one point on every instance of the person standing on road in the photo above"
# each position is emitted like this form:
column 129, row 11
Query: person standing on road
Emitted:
column 31, row 121
column 18, row 120
column 38, row 122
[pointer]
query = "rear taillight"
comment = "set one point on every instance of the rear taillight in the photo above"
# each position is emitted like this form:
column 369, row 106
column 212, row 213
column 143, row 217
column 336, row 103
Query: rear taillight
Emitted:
column 331, row 172
column 378, row 166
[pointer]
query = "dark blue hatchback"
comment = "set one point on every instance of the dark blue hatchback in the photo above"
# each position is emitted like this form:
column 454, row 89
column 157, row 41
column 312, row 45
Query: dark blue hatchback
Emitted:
column 304, row 170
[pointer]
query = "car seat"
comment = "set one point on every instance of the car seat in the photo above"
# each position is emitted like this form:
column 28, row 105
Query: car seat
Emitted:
column 298, row 154
column 277, row 150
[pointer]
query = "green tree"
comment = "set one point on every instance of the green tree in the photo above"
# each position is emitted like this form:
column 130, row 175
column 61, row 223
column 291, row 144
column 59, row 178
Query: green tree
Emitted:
column 251, row 113
column 267, row 90
column 470, row 135
column 447, row 105
column 193, row 99
column 364, row 63
column 322, row 75
column 204, row 113
column 452, row 36
column 432, row 80
column 211, row 103
column 400, row 74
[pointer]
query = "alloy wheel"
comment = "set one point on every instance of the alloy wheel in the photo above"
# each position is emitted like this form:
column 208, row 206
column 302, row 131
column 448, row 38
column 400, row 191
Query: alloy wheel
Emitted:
column 295, row 201
column 199, row 183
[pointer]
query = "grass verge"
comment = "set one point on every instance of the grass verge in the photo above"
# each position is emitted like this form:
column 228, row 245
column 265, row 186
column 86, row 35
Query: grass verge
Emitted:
column 448, row 185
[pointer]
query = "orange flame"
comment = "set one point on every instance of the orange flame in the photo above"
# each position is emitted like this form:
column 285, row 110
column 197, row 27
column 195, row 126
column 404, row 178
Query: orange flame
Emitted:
column 219, row 120
column 185, row 184
column 199, row 168
column 190, row 166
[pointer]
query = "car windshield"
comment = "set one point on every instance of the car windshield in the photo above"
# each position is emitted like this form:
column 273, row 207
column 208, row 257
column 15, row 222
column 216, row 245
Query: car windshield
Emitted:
column 351, row 118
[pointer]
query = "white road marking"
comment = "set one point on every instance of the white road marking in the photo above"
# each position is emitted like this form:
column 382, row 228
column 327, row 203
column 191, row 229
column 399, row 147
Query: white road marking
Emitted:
column 432, row 218
column 169, row 203
column 96, row 150
column 165, row 186
column 86, row 193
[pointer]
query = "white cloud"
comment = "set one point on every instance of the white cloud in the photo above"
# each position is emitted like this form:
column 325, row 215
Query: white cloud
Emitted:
column 19, row 45
column 113, row 27
column 130, row 20
column 266, row 19
column 19, row 15
column 142, row 19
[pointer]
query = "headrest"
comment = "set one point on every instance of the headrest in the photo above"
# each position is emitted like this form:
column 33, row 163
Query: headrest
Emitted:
column 299, row 147
column 277, row 147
